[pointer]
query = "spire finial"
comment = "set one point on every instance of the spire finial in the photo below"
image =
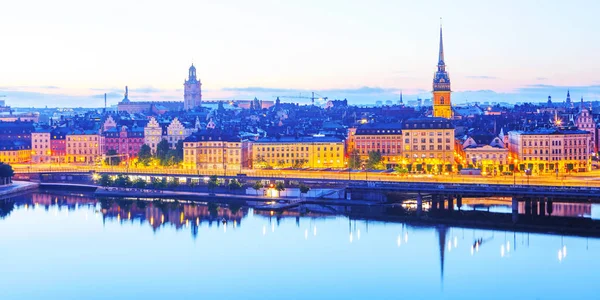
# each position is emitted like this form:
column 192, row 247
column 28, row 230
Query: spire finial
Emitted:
column 126, row 92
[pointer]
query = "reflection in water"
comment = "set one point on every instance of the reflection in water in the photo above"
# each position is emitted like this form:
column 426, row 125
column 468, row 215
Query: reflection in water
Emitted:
column 325, row 228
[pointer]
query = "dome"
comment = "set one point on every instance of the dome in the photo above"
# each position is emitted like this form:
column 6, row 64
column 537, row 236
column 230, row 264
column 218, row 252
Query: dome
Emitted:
column 192, row 68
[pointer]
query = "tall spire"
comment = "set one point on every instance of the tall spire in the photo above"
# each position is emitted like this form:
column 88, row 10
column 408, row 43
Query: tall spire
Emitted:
column 401, row 97
column 441, row 54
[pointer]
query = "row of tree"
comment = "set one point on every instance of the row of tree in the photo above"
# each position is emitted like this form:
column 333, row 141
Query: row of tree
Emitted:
column 213, row 183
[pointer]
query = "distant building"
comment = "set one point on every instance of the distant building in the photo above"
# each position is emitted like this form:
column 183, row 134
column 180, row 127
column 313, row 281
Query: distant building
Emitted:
column 192, row 90
column 147, row 107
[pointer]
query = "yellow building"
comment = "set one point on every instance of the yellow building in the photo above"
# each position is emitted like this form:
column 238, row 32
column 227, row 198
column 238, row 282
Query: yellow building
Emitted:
column 442, row 106
column 84, row 146
column 15, row 152
column 299, row 152
column 215, row 151
column 428, row 145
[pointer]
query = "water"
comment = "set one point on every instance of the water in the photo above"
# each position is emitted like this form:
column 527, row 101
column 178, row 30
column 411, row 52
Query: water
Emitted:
column 75, row 247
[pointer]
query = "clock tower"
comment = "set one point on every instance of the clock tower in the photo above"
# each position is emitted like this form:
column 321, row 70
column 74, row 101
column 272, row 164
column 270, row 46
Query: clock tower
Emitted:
column 442, row 106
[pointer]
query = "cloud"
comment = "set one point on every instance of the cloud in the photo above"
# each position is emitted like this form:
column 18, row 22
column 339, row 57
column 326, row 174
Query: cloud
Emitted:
column 541, row 78
column 146, row 90
column 481, row 77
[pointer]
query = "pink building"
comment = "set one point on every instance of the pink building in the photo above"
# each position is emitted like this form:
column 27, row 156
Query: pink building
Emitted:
column 58, row 146
column 124, row 141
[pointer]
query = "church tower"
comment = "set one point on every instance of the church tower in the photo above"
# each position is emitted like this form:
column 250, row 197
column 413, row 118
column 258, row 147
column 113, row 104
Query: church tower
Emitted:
column 441, row 87
column 192, row 95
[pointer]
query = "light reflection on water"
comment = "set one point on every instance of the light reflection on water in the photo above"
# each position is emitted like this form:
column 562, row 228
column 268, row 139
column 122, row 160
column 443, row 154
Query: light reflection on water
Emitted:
column 57, row 247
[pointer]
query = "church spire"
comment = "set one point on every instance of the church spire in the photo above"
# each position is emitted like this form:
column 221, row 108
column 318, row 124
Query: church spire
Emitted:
column 401, row 98
column 441, row 54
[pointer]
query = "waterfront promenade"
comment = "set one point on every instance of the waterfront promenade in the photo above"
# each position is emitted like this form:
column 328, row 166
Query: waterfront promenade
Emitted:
column 591, row 179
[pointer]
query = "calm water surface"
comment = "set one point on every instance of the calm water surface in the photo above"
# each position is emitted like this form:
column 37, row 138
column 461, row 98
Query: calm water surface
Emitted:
column 71, row 247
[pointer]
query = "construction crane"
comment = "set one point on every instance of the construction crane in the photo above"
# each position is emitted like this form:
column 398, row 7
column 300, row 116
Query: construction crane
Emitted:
column 306, row 97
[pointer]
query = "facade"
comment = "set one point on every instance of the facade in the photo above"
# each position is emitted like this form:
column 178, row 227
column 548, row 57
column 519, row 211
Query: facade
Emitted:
column 41, row 150
column 177, row 131
column 299, row 152
column 15, row 151
column 563, row 149
column 442, row 106
column 192, row 90
column 209, row 150
column 152, row 134
column 428, row 144
column 491, row 158
column 585, row 121
column 84, row 146
column 58, row 145
column 124, row 141
column 383, row 138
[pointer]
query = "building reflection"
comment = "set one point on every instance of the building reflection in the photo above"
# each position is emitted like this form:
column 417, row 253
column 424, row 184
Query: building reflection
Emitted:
column 172, row 213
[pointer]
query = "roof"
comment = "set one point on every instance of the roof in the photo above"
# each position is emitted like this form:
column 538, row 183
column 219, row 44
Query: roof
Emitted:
column 211, row 135
column 302, row 139
column 551, row 131
column 379, row 129
column 428, row 123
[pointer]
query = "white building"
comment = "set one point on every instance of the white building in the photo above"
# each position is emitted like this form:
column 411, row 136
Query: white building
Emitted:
column 152, row 134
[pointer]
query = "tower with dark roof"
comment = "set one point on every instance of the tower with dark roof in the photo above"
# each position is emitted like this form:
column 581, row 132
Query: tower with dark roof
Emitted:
column 192, row 94
column 442, row 106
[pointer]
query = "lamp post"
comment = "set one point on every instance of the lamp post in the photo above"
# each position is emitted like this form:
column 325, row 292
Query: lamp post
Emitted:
column 515, row 172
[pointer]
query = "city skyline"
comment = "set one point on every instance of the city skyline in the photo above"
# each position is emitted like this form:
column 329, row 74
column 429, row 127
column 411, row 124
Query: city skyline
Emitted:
column 362, row 53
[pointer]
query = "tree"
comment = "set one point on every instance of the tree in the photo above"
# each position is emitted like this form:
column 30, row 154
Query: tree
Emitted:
column 374, row 162
column 399, row 170
column 304, row 189
column 161, row 149
column 173, row 182
column 112, row 159
column 6, row 173
column 234, row 184
column 179, row 151
column 171, row 158
column 123, row 181
column 354, row 161
column 105, row 180
column 299, row 163
column 213, row 183
column 145, row 155
column 257, row 186
column 139, row 183
column 279, row 187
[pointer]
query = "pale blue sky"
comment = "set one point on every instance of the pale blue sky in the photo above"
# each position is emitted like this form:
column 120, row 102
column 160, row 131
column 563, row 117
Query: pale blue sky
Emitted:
column 79, row 49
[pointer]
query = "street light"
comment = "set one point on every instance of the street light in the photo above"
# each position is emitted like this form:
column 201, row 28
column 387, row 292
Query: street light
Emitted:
column 515, row 172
